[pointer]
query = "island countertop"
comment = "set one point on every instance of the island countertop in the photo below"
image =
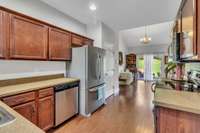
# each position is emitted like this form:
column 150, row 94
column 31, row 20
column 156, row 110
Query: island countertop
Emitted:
column 178, row 100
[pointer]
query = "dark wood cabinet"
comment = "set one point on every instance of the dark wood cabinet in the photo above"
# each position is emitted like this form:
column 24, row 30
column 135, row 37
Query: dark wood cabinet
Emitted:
column 28, row 110
column 46, row 113
column 175, row 121
column 131, row 62
column 77, row 41
column 28, row 39
column 59, row 44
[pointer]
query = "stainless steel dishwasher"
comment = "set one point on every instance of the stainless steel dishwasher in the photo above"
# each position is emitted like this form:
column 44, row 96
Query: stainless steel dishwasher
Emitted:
column 66, row 101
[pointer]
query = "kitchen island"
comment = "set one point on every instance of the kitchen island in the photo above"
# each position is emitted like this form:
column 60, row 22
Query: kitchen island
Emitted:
column 176, row 111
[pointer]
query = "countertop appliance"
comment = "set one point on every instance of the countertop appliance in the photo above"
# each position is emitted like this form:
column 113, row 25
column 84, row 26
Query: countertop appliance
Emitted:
column 66, row 101
column 88, row 65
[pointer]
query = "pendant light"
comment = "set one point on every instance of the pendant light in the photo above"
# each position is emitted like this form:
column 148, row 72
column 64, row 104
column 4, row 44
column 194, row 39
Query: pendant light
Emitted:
column 146, row 39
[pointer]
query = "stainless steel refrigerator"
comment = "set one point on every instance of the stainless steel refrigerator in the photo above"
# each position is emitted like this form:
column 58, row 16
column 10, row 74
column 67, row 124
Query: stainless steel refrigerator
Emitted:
column 88, row 65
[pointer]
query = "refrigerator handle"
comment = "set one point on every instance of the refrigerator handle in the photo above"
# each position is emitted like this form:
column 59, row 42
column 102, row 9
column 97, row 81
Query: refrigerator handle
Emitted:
column 99, row 71
column 97, row 68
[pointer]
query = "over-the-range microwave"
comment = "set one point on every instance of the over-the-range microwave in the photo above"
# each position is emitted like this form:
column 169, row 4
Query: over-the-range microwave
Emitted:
column 174, row 48
column 187, row 47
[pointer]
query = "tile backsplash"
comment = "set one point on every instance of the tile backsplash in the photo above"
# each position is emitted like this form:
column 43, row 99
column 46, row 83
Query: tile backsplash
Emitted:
column 192, row 66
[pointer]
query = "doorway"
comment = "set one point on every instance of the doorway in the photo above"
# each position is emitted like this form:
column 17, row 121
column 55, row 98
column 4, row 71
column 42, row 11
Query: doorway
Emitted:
column 149, row 67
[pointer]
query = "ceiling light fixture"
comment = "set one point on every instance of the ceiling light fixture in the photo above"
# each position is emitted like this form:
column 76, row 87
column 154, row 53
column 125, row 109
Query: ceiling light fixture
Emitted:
column 146, row 39
column 93, row 7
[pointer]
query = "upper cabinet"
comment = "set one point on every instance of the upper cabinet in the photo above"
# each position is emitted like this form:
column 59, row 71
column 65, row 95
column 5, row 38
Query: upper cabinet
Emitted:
column 3, row 34
column 88, row 42
column 77, row 40
column 186, row 32
column 28, row 39
column 59, row 44
column 188, row 45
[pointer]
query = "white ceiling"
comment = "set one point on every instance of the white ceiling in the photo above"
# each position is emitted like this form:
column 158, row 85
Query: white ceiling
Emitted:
column 160, row 34
column 120, row 14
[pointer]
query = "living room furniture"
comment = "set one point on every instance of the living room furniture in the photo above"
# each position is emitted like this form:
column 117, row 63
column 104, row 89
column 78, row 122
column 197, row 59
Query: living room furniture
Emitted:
column 126, row 78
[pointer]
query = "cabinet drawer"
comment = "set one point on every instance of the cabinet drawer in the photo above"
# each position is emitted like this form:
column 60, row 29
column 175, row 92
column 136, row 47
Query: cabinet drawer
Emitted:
column 19, row 99
column 46, row 92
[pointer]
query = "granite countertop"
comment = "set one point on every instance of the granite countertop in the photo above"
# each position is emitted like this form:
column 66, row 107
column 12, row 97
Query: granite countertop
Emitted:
column 26, row 87
column 178, row 100
column 22, row 125
column 19, row 125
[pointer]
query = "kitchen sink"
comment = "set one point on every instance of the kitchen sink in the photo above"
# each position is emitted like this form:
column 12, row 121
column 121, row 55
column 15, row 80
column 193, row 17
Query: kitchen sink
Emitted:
column 5, row 117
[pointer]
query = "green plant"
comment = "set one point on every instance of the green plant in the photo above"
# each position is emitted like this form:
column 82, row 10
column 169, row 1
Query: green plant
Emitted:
column 169, row 67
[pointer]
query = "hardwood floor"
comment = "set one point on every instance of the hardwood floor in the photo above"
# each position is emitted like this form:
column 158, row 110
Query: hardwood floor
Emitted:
column 129, row 112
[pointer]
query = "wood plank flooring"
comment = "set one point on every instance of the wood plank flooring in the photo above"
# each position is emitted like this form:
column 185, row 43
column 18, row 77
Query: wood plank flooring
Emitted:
column 128, row 112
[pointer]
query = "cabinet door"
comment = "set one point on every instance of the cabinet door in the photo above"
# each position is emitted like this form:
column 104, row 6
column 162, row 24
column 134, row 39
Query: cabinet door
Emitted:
column 28, row 39
column 88, row 42
column 3, row 34
column 77, row 40
column 46, row 113
column 59, row 45
column 28, row 110
column 175, row 121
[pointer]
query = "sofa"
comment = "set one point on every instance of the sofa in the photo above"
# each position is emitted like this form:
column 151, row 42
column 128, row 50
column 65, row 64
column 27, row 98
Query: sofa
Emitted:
column 125, row 78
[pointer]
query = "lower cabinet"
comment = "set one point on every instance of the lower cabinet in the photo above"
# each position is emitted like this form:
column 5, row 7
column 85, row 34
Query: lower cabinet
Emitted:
column 175, row 121
column 46, row 112
column 36, row 106
column 28, row 110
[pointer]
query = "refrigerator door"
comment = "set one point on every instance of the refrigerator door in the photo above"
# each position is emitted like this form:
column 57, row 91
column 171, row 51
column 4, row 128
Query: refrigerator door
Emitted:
column 93, row 67
column 101, row 66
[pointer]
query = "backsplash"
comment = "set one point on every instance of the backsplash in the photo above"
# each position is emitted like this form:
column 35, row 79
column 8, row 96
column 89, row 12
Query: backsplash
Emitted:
column 192, row 66
column 10, row 69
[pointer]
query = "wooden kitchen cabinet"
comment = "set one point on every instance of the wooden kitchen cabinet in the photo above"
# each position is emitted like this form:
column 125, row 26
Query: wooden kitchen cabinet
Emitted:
column 77, row 41
column 36, row 106
column 175, row 121
column 88, row 42
column 28, row 110
column 3, row 34
column 28, row 39
column 46, row 113
column 59, row 44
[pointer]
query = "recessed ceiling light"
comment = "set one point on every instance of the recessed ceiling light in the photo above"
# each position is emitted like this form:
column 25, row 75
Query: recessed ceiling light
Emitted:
column 93, row 7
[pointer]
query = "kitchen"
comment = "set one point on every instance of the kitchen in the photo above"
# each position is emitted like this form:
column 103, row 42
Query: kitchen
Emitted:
column 40, row 98
column 53, row 76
